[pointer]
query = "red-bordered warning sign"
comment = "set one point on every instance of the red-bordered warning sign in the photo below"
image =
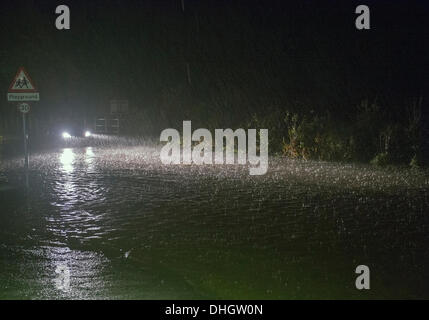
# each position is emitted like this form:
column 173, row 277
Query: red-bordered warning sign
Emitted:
column 22, row 83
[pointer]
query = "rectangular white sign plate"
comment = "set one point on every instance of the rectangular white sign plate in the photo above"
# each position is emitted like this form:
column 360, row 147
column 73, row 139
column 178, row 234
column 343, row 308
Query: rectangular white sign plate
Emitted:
column 21, row 96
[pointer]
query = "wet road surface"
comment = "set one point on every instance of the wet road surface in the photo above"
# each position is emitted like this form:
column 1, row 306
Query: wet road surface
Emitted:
column 114, row 223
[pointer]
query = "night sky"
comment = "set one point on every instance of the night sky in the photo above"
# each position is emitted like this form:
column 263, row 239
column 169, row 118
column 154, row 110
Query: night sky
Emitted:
column 268, row 51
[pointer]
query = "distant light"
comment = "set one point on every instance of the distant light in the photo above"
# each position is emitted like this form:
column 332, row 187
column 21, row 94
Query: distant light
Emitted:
column 66, row 135
column 87, row 134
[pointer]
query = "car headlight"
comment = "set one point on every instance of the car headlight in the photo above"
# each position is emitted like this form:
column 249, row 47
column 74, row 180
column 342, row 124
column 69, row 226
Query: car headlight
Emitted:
column 66, row 135
column 87, row 134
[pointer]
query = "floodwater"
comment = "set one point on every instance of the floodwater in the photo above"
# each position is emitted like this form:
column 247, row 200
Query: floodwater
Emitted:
column 114, row 223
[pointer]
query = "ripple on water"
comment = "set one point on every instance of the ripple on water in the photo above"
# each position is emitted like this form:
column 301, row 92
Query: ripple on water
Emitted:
column 91, row 206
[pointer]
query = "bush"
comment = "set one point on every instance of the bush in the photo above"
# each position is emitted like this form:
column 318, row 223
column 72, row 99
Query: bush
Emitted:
column 316, row 137
column 416, row 162
column 381, row 159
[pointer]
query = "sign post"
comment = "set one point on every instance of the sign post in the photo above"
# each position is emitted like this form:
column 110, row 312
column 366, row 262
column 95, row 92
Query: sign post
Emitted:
column 25, row 108
column 23, row 89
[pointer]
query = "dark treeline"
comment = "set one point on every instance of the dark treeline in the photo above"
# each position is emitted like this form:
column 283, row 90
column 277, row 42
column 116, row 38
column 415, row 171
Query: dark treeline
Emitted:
column 301, row 69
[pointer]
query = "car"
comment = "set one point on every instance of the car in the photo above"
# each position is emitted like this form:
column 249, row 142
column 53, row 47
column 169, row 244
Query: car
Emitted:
column 72, row 129
column 67, row 134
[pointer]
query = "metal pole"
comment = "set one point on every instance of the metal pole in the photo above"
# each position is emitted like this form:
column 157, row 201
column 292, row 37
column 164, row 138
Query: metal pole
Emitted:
column 24, row 128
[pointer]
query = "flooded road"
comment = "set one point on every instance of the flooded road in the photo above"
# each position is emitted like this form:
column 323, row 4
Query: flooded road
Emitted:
column 114, row 223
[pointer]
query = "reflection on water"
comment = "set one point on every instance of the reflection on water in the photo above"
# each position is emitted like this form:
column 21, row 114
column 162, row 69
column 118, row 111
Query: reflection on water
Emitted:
column 66, row 160
column 89, row 158
column 70, row 223
column 116, row 223
column 62, row 282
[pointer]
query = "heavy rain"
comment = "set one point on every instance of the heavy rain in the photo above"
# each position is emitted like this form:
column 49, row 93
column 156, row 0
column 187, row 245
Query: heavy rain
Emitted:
column 114, row 222
column 329, row 102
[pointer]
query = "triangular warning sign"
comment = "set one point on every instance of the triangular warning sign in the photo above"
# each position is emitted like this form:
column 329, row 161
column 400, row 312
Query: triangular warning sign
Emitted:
column 22, row 82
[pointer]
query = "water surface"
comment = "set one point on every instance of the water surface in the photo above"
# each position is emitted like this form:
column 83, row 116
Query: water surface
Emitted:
column 114, row 223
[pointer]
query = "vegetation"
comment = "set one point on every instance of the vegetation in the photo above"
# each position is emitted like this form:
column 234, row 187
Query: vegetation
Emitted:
column 369, row 136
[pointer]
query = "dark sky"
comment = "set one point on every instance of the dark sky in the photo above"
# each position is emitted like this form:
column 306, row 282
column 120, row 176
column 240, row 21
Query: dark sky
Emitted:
column 139, row 50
